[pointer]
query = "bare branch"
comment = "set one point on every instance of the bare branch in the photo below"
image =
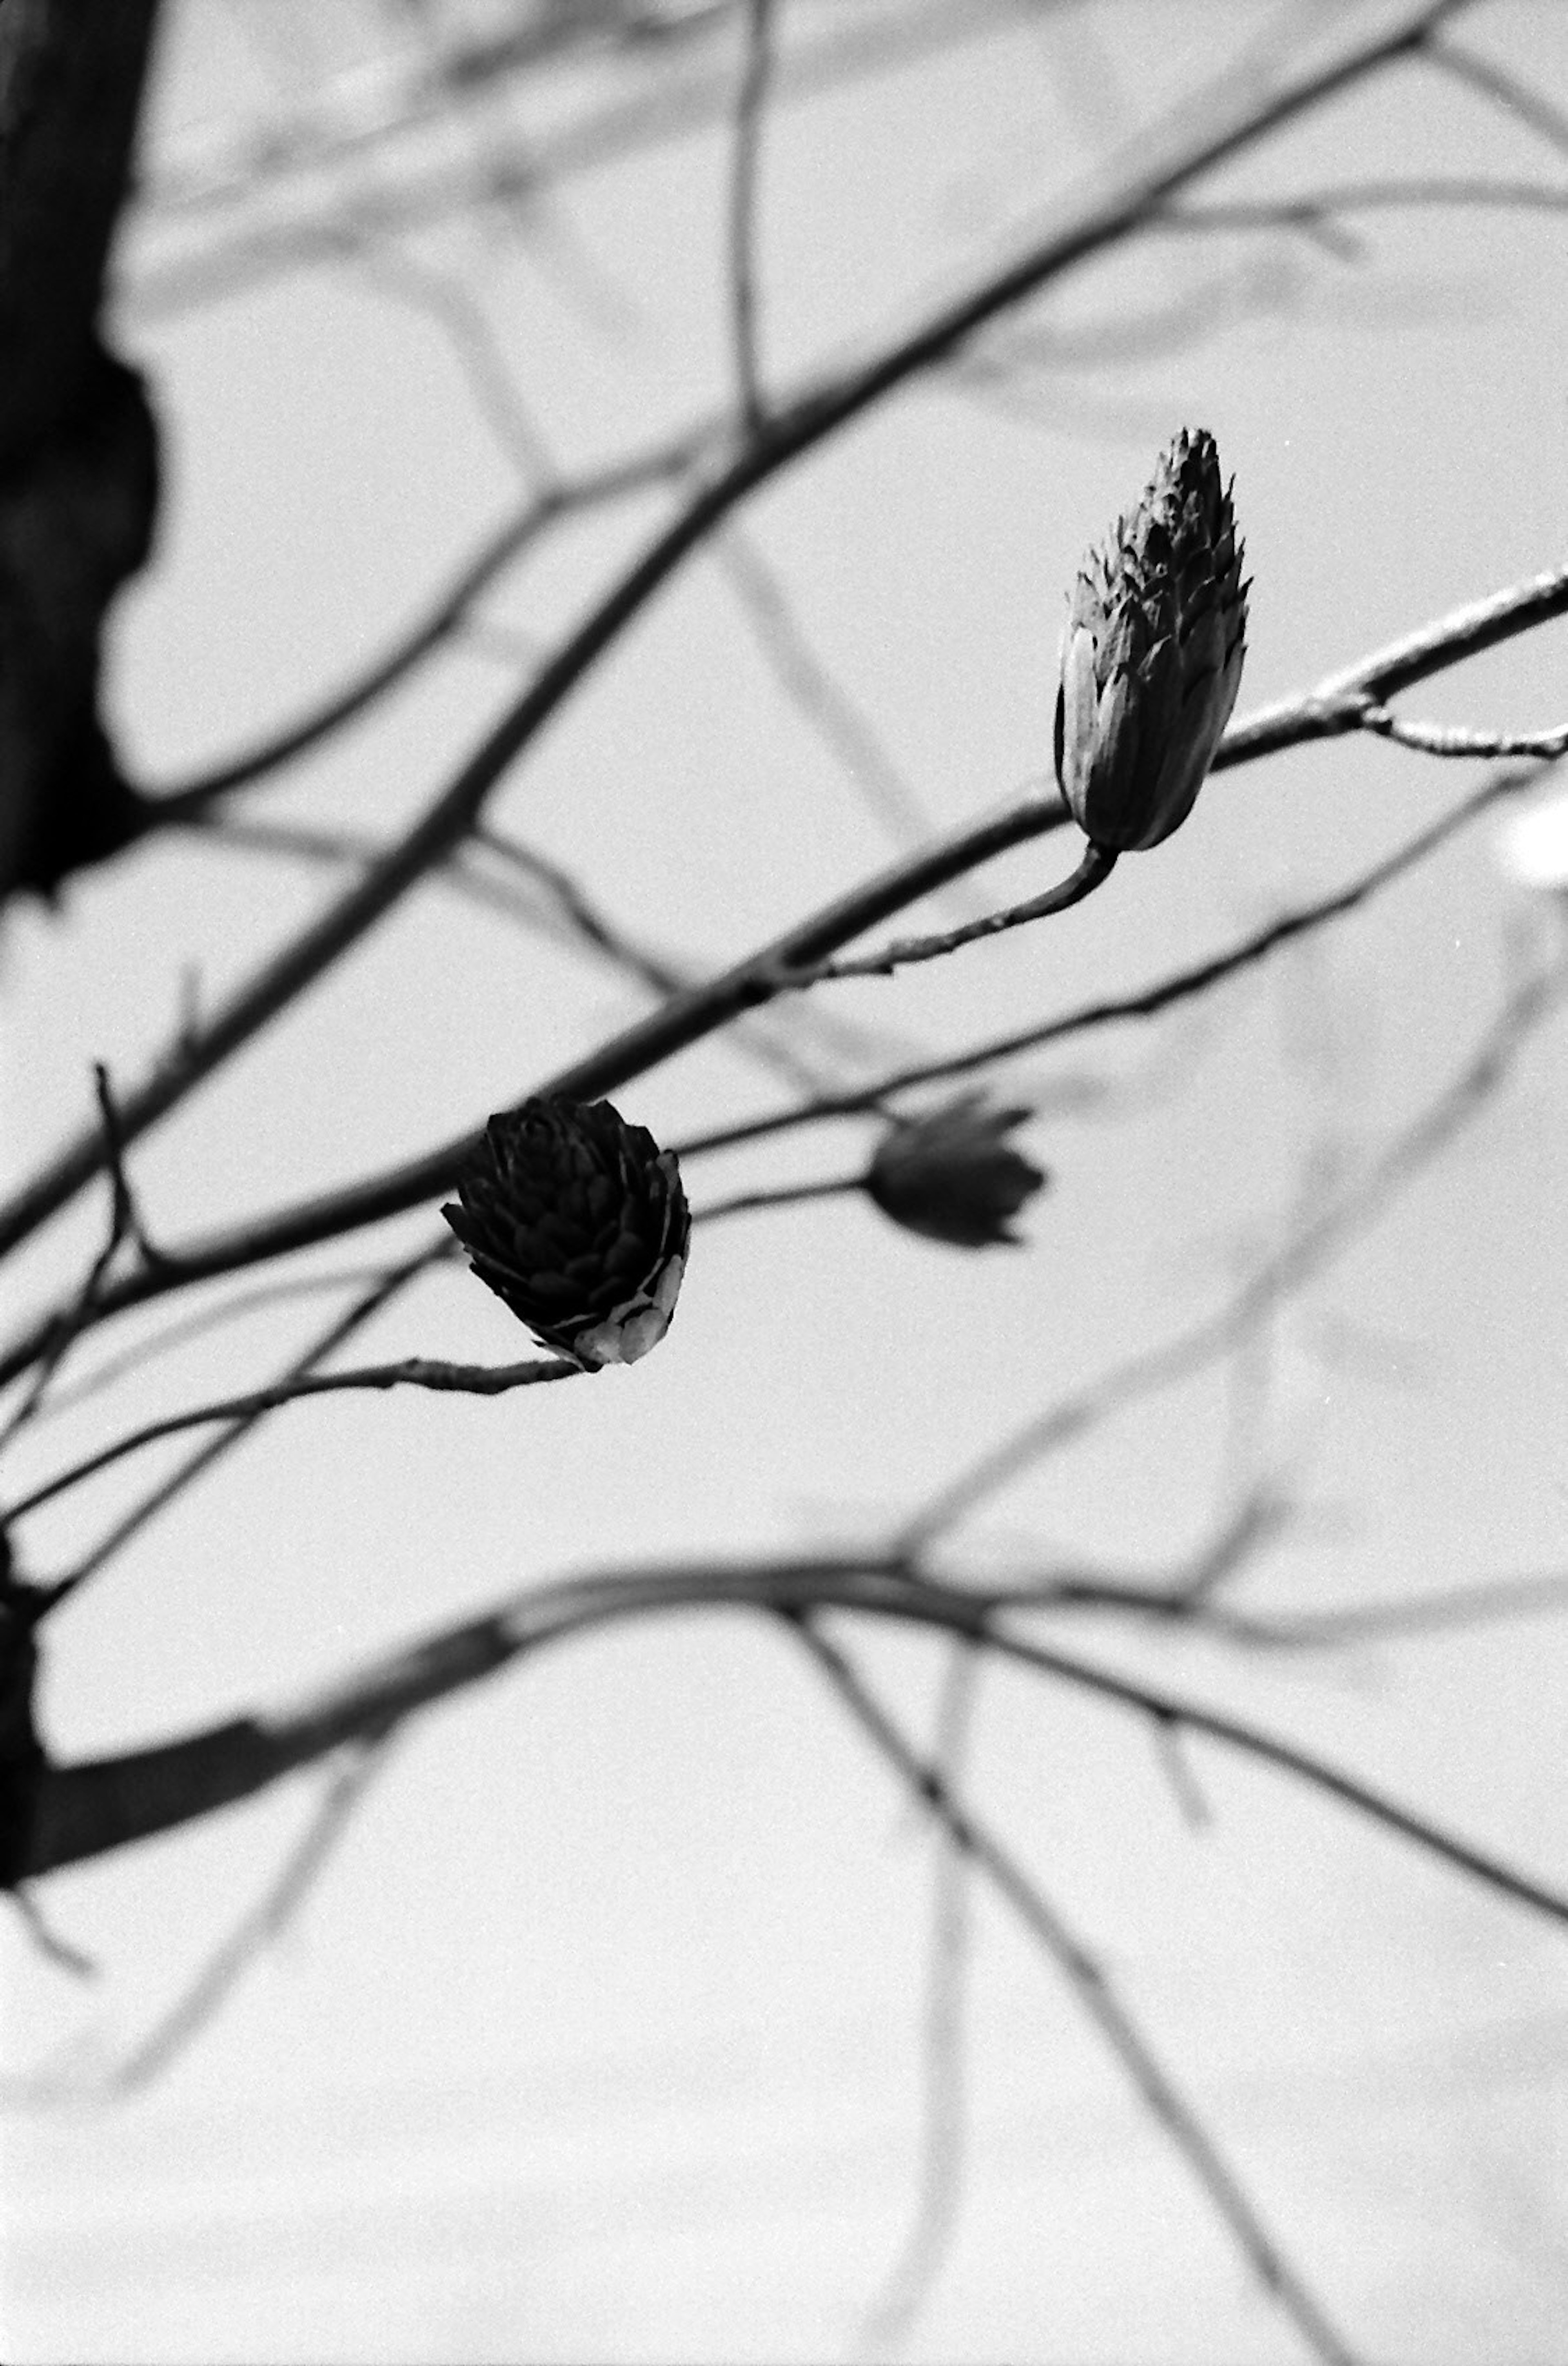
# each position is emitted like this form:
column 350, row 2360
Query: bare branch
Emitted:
column 1180, row 986
column 1338, row 704
column 866, row 42
column 1170, row 159
column 785, row 1195
column 1517, row 99
column 1094, row 869
column 686, row 1019
column 744, row 988
column 442, row 622
column 816, row 693
column 232, row 1309
column 89, row 1808
column 751, row 106
column 390, row 1285
column 412, row 1371
column 125, row 1225
column 1093, row 1992
column 1305, row 1255
column 1453, row 739
column 930, row 2238
column 257, row 1929
column 442, row 297
column 1315, row 210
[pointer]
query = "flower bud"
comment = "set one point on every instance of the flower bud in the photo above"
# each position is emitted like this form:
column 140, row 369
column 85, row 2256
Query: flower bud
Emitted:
column 578, row 1221
column 951, row 1177
column 1151, row 655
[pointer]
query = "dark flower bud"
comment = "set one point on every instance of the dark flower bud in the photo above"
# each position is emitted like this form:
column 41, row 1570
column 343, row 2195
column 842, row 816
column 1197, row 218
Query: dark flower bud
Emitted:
column 951, row 1177
column 578, row 1221
column 1151, row 655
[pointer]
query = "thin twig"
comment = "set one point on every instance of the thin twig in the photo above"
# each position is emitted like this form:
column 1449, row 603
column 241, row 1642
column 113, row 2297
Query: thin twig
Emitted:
column 751, row 106
column 662, row 464
column 412, row 1371
column 260, row 1927
column 785, row 1195
column 1338, row 704
column 1343, row 1221
column 443, row 297
column 747, row 987
column 1093, row 1992
column 686, row 1019
column 1517, row 99
column 187, row 1327
column 391, row 1282
column 85, row 1809
column 817, row 694
column 1314, row 209
column 1170, row 159
column 1149, row 1002
column 1093, row 871
column 125, row 1225
column 856, row 44
column 1454, row 739
column 930, row 2238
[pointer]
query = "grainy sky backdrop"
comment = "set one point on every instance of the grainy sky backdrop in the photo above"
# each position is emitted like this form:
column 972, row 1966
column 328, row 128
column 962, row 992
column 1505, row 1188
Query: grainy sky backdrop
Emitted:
column 605, row 2031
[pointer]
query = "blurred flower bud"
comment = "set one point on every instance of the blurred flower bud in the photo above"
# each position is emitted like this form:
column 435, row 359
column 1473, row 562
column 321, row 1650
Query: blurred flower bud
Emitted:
column 1151, row 655
column 578, row 1221
column 951, row 1176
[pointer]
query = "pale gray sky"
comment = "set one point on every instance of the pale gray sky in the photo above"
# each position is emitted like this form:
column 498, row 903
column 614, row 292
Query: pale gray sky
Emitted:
column 602, row 2035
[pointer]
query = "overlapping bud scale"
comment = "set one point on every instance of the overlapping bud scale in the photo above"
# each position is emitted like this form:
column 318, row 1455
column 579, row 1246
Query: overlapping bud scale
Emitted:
column 578, row 1221
column 1151, row 655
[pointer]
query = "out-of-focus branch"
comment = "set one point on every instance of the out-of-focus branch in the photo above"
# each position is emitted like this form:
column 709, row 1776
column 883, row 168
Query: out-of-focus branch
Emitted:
column 1086, row 1976
column 746, row 152
column 389, row 1285
column 63, row 1395
column 821, row 699
column 1316, row 210
column 930, row 2238
column 90, row 1808
column 1304, row 1255
column 856, row 45
column 258, row 1928
column 1506, row 90
column 1168, row 159
column 442, row 621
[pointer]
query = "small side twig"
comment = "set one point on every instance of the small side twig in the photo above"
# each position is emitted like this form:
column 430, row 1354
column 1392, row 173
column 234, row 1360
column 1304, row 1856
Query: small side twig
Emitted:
column 388, row 1284
column 125, row 1225
column 1514, row 97
column 1453, row 739
column 412, row 1371
column 257, row 1929
column 787, row 1195
column 1093, row 1990
column 926, row 2245
column 1093, row 871
column 745, row 156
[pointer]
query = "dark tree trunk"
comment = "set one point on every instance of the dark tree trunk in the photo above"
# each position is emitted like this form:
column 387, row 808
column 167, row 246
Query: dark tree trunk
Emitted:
column 78, row 457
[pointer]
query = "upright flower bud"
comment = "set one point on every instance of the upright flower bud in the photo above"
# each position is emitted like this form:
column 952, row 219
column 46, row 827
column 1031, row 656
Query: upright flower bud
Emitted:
column 578, row 1221
column 951, row 1176
column 1151, row 655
